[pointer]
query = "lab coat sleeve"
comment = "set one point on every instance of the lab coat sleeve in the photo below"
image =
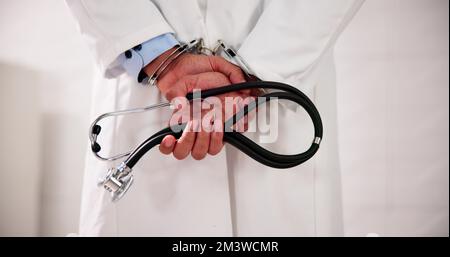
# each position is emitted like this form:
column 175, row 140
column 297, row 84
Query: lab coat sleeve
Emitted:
column 112, row 27
column 290, row 37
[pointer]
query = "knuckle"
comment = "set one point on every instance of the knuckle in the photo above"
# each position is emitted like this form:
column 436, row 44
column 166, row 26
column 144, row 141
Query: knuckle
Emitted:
column 234, row 68
column 170, row 95
column 191, row 82
column 212, row 61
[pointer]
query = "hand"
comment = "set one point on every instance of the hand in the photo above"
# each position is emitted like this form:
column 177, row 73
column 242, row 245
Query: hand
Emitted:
column 202, row 136
column 186, row 67
column 187, row 73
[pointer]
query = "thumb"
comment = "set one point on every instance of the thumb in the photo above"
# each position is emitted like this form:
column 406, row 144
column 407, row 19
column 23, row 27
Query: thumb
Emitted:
column 183, row 86
column 233, row 72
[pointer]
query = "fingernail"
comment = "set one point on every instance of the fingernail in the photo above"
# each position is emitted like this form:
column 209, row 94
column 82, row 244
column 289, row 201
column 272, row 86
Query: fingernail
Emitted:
column 168, row 142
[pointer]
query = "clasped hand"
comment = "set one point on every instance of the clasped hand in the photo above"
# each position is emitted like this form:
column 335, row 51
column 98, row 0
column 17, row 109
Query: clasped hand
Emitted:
column 203, row 135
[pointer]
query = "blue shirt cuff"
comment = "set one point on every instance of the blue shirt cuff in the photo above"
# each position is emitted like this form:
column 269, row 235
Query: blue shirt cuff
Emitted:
column 133, row 60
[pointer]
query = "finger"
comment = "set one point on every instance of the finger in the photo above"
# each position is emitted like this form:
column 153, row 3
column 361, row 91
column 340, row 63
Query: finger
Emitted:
column 216, row 141
column 167, row 144
column 184, row 144
column 181, row 111
column 245, row 92
column 233, row 72
column 251, row 114
column 188, row 83
column 240, row 124
column 176, row 91
column 201, row 144
column 206, row 80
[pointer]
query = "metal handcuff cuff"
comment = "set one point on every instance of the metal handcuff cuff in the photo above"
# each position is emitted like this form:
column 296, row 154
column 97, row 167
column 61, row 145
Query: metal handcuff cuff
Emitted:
column 119, row 179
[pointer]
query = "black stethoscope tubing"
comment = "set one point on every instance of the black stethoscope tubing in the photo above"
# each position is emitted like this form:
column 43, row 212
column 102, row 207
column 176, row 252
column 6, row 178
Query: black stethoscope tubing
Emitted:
column 241, row 142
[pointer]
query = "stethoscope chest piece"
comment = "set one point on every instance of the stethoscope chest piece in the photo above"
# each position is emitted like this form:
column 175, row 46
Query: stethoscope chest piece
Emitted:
column 117, row 181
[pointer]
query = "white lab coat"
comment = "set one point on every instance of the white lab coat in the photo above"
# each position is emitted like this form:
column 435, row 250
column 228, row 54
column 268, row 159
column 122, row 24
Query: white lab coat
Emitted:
column 229, row 194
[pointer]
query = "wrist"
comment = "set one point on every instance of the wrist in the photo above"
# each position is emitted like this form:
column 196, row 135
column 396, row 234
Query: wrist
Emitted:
column 150, row 68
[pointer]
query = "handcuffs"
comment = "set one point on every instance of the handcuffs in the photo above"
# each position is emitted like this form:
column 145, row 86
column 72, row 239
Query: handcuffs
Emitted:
column 119, row 179
column 198, row 46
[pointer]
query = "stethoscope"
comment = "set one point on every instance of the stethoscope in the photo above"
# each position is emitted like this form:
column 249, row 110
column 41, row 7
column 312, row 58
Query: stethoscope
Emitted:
column 119, row 179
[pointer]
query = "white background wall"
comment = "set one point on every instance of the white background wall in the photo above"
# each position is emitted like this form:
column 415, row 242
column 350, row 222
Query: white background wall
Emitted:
column 43, row 54
column 393, row 87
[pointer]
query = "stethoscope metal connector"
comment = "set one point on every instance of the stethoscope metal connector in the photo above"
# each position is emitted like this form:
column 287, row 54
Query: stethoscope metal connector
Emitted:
column 117, row 181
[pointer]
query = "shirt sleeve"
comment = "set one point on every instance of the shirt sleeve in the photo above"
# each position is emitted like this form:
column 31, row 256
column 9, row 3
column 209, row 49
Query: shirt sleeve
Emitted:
column 136, row 58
